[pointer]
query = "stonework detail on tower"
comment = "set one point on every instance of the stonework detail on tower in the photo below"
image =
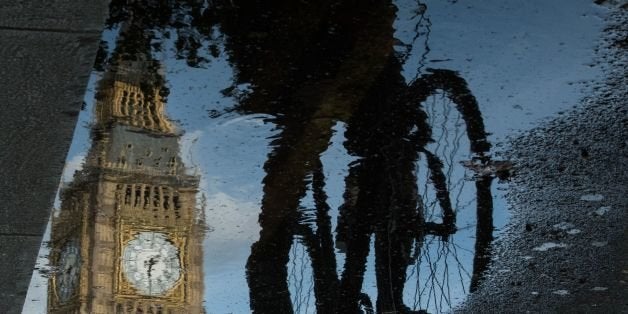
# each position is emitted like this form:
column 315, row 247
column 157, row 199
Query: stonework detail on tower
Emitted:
column 128, row 236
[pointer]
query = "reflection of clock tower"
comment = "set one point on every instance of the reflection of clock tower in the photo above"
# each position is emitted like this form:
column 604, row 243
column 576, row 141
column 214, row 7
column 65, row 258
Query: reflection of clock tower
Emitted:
column 128, row 236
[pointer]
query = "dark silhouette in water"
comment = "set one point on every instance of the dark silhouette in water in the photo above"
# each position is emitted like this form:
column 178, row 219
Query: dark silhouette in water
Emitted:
column 311, row 64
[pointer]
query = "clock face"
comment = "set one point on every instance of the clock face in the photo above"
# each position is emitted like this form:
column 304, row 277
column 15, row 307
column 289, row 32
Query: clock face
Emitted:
column 150, row 262
column 67, row 275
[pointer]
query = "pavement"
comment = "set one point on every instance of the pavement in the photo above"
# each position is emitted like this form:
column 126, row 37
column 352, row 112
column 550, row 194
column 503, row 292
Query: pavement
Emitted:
column 566, row 250
column 46, row 56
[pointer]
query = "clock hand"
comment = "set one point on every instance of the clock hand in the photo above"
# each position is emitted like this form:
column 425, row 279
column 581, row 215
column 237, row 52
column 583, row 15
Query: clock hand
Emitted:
column 151, row 262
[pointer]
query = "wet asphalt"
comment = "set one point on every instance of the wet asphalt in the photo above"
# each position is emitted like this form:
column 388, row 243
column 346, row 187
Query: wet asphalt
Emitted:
column 46, row 53
column 566, row 248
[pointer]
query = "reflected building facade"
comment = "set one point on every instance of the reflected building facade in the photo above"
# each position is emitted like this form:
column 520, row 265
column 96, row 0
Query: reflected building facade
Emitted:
column 128, row 236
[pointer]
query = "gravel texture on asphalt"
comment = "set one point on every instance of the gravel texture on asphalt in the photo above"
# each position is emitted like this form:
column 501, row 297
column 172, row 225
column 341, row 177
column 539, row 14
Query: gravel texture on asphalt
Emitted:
column 566, row 249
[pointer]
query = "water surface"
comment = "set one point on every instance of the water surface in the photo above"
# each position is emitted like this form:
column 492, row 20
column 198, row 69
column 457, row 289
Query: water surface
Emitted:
column 237, row 157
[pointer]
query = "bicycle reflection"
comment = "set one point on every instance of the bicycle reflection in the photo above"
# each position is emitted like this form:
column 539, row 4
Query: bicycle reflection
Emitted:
column 381, row 199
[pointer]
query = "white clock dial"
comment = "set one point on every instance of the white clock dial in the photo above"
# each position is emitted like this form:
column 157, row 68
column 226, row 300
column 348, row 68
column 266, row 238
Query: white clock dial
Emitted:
column 67, row 275
column 150, row 262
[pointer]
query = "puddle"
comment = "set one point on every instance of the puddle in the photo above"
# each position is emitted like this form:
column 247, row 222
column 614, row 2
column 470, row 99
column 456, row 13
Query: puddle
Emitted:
column 303, row 157
column 549, row 245
column 592, row 197
column 602, row 210
column 564, row 225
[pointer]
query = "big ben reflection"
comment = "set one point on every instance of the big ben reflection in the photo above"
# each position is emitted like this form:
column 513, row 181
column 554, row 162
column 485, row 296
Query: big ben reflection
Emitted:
column 128, row 236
